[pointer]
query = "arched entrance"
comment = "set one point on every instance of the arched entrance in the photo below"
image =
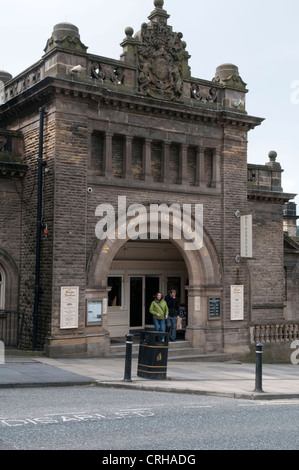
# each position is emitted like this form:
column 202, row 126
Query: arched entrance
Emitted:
column 139, row 269
column 123, row 270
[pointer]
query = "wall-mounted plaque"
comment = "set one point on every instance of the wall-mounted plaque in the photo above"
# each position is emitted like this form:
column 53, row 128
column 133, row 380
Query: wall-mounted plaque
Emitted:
column 246, row 236
column 197, row 303
column 94, row 312
column 214, row 307
column 237, row 302
column 2, row 353
column 69, row 307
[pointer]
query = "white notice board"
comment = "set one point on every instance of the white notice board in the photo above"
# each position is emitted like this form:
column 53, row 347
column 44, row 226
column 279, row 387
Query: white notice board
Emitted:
column 237, row 302
column 69, row 307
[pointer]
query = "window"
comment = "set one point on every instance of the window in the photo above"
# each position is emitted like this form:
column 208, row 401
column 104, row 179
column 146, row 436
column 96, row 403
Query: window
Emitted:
column 2, row 289
column 115, row 293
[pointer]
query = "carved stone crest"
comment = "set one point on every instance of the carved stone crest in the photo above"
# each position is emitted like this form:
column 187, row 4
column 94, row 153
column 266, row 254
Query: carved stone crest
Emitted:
column 203, row 93
column 160, row 58
column 107, row 72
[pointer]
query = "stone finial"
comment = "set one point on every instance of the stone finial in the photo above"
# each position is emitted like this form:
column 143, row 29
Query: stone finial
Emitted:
column 272, row 155
column 159, row 15
column 273, row 163
column 5, row 76
column 65, row 35
column 63, row 30
column 129, row 31
column 159, row 3
column 228, row 75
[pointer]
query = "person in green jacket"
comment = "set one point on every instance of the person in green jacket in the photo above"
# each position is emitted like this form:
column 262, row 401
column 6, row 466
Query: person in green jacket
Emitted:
column 159, row 310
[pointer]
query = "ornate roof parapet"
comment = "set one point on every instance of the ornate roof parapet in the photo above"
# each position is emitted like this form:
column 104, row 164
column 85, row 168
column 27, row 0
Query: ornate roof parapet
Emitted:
column 160, row 56
column 154, row 64
column 4, row 78
column 265, row 177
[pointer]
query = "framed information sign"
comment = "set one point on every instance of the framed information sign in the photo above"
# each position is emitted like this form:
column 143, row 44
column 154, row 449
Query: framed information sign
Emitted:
column 69, row 307
column 214, row 307
column 94, row 312
column 237, row 302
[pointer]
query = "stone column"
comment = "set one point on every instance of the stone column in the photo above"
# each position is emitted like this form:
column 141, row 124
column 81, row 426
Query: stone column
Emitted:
column 201, row 166
column 197, row 314
column 216, row 181
column 183, row 174
column 128, row 158
column 197, row 167
column 108, row 156
column 147, row 161
column 166, row 152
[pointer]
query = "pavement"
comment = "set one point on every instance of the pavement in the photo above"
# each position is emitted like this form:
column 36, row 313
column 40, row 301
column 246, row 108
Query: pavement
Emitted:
column 231, row 379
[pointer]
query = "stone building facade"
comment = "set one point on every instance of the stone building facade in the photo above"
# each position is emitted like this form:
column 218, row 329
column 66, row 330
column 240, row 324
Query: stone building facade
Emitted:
column 139, row 131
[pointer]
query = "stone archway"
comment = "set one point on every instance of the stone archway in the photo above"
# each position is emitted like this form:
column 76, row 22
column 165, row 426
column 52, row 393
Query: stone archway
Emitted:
column 11, row 274
column 204, row 271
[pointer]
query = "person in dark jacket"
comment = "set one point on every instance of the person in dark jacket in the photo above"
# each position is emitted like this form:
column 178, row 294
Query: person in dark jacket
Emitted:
column 173, row 313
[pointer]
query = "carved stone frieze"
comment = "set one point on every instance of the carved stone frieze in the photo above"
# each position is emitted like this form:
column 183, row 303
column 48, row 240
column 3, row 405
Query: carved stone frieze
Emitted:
column 160, row 61
column 204, row 93
column 107, row 72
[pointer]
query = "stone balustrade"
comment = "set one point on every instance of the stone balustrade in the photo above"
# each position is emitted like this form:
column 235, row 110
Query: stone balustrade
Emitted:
column 274, row 332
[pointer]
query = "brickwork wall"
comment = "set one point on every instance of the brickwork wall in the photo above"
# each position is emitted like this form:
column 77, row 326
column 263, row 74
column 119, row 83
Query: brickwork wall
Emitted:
column 291, row 261
column 69, row 235
column 28, row 246
column 10, row 236
column 267, row 272
column 30, row 131
column 234, row 180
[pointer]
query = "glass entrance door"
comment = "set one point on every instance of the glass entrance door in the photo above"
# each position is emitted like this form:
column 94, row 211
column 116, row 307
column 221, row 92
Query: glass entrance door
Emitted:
column 142, row 291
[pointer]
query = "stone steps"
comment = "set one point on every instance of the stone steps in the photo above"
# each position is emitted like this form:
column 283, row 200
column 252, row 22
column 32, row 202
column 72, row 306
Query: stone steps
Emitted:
column 178, row 351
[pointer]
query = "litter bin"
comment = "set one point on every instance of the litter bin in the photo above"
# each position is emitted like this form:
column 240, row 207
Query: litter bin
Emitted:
column 153, row 353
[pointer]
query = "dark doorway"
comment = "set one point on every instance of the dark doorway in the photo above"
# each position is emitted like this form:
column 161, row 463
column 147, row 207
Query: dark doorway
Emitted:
column 152, row 286
column 142, row 292
column 136, row 303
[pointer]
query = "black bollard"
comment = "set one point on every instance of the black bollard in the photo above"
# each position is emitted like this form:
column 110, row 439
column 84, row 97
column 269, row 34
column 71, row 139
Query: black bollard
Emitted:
column 258, row 368
column 128, row 364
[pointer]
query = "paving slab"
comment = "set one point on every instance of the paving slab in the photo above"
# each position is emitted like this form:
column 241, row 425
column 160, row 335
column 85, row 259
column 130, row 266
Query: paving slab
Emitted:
column 231, row 379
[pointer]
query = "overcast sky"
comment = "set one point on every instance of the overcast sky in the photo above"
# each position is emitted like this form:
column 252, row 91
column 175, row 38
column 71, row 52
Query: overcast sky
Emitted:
column 259, row 36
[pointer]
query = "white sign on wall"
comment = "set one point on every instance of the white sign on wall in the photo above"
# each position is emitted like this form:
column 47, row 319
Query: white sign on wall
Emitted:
column 2, row 353
column 246, row 236
column 237, row 302
column 197, row 303
column 69, row 307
